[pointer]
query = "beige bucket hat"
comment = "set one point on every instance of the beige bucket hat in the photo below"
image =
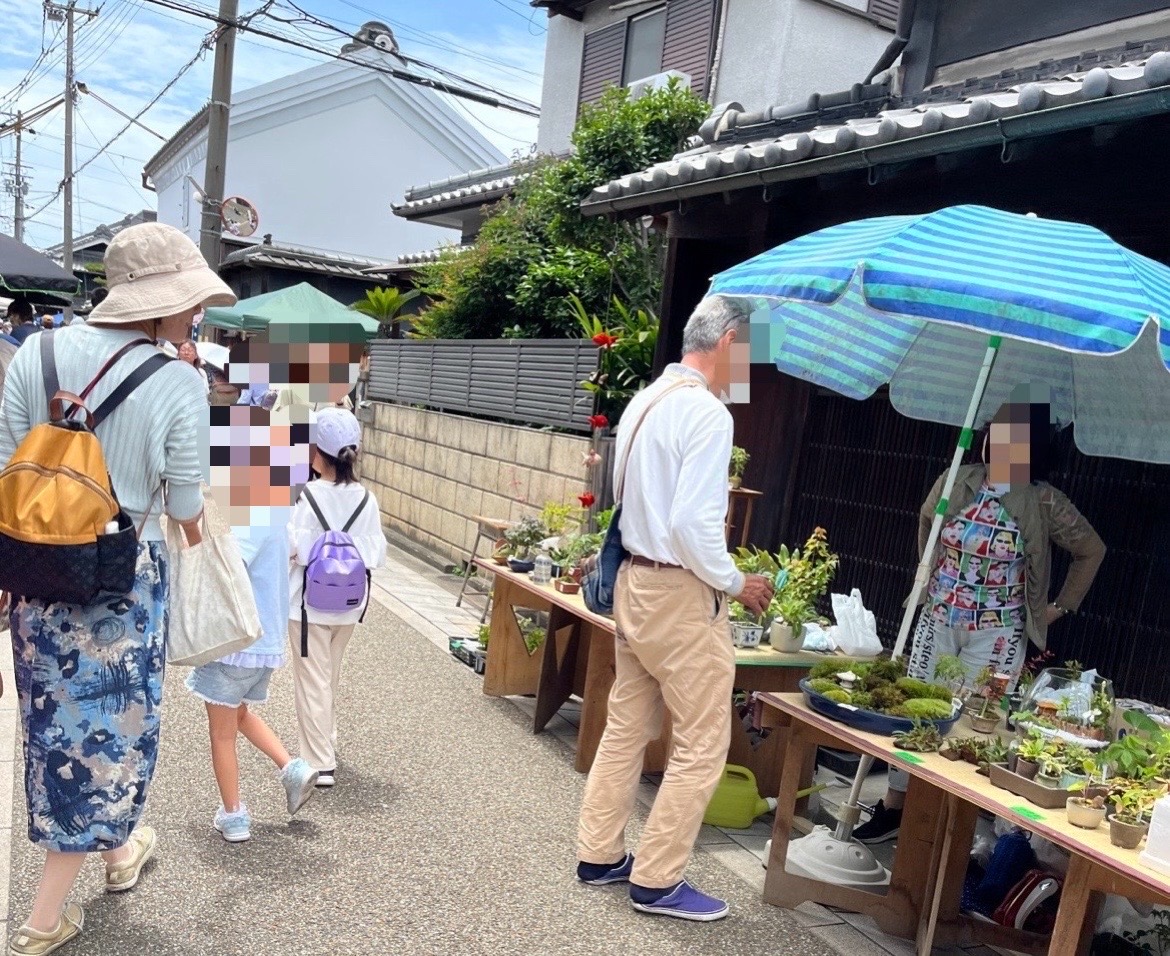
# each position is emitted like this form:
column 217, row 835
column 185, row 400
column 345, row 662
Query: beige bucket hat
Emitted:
column 154, row 271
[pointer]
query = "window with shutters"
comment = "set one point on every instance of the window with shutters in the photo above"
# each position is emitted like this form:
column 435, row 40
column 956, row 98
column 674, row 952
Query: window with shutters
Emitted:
column 645, row 37
column 678, row 35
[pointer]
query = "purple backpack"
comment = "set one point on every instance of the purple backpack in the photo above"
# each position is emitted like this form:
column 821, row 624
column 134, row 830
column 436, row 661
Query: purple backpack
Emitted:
column 336, row 578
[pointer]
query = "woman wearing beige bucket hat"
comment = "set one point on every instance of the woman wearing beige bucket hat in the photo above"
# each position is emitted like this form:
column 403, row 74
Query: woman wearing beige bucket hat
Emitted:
column 91, row 733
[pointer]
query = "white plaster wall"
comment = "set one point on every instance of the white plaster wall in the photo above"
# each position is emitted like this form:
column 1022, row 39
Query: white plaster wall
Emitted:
column 562, row 73
column 779, row 51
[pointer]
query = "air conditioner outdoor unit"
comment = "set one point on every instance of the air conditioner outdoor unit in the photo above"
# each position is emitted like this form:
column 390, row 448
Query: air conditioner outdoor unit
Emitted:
column 657, row 82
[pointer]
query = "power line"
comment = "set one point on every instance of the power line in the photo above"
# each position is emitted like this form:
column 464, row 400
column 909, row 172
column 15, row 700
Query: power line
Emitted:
column 528, row 109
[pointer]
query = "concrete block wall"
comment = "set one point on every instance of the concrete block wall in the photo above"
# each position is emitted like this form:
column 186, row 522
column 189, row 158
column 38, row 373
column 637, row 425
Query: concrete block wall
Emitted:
column 432, row 471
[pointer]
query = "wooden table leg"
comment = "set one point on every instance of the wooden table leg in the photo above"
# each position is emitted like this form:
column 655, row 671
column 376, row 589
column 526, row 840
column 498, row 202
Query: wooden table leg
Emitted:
column 510, row 668
column 559, row 667
column 1077, row 915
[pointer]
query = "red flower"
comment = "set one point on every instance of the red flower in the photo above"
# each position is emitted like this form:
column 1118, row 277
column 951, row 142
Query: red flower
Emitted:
column 598, row 421
column 604, row 339
column 586, row 500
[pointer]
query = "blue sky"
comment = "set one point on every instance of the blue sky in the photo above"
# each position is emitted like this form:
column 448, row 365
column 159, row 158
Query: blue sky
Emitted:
column 130, row 52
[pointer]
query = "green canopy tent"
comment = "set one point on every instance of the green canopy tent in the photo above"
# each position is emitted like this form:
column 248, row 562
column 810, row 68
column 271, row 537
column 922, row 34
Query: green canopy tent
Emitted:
column 301, row 307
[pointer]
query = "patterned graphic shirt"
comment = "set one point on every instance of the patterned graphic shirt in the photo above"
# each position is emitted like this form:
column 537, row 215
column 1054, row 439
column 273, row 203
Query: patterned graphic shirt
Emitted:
column 978, row 583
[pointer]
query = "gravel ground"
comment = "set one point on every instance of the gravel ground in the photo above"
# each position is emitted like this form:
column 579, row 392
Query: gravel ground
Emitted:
column 450, row 831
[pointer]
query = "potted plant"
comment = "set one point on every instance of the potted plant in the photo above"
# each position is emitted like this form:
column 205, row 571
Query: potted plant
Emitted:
column 949, row 670
column 523, row 538
column 1080, row 765
column 1085, row 812
column 739, row 460
column 566, row 585
column 921, row 737
column 787, row 632
column 983, row 706
column 1030, row 751
column 746, row 629
column 1051, row 770
column 1134, row 802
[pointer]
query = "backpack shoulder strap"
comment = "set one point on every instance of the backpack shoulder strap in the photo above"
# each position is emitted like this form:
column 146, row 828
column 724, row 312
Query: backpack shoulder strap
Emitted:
column 127, row 385
column 317, row 511
column 48, row 365
column 360, row 508
column 620, row 473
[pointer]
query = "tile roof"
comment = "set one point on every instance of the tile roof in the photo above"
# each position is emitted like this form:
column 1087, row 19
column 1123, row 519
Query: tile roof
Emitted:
column 303, row 260
column 476, row 188
column 737, row 148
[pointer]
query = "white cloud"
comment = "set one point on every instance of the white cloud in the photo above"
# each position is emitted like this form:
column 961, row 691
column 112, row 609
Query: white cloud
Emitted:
column 132, row 50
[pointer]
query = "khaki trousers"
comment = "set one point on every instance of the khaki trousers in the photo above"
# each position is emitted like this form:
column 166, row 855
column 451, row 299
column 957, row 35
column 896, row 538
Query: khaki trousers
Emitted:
column 673, row 649
column 316, row 679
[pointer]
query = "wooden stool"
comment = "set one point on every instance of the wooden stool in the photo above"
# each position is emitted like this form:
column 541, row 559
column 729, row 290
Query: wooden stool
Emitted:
column 748, row 497
column 491, row 528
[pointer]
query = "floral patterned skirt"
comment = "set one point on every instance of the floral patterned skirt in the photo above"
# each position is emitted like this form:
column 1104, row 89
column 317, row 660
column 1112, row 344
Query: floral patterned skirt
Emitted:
column 89, row 681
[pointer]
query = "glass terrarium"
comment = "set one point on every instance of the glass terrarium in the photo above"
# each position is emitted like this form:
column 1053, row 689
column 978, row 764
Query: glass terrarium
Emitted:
column 1075, row 706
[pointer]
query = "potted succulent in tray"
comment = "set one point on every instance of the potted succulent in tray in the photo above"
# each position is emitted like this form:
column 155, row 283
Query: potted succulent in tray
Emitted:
column 1051, row 770
column 566, row 584
column 1030, row 752
column 739, row 460
column 1134, row 802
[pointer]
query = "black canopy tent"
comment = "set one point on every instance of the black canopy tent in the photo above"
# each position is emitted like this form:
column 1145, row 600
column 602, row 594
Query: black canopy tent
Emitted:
column 26, row 272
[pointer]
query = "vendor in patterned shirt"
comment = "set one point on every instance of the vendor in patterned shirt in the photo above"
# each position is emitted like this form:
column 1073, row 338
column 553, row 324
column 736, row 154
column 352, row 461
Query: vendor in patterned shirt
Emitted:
column 988, row 593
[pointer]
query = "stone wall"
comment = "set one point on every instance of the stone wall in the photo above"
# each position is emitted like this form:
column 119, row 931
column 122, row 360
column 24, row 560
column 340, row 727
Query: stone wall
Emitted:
column 431, row 472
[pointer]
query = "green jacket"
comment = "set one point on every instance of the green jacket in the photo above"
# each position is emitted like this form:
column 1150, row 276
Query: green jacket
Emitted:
column 1043, row 515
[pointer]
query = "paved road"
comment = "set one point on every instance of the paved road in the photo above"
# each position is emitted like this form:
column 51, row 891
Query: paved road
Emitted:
column 450, row 832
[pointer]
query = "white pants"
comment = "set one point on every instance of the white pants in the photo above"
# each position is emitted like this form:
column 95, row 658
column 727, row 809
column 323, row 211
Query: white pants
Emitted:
column 316, row 680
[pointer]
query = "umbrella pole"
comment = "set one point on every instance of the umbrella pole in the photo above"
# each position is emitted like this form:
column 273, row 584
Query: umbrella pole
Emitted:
column 922, row 575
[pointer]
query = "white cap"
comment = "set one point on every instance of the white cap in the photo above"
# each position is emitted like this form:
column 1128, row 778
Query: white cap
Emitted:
column 337, row 428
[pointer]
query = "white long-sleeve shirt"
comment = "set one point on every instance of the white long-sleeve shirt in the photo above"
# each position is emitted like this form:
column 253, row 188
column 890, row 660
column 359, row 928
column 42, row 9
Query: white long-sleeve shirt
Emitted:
column 674, row 501
column 337, row 503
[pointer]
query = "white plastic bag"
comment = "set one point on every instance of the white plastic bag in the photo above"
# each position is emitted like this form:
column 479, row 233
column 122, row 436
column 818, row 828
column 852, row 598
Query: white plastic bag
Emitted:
column 856, row 633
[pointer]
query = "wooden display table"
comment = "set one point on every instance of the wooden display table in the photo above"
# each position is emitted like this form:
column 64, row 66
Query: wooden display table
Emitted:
column 934, row 844
column 737, row 496
column 578, row 658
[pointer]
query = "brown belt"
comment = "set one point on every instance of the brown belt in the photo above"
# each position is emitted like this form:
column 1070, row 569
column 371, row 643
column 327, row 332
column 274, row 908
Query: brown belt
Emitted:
column 647, row 563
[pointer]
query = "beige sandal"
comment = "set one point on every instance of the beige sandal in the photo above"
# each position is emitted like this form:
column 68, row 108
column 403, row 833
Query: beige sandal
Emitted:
column 31, row 942
column 124, row 876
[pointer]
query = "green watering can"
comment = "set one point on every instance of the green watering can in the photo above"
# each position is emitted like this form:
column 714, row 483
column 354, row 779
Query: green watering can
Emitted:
column 737, row 801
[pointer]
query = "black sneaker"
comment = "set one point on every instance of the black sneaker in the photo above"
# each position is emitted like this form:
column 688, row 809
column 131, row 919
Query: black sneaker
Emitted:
column 882, row 826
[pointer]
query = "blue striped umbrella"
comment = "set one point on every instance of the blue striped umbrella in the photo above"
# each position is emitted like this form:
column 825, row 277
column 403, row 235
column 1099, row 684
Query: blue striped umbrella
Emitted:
column 955, row 308
column 911, row 301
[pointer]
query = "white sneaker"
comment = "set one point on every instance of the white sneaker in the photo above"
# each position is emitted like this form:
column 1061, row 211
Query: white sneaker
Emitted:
column 325, row 779
column 234, row 827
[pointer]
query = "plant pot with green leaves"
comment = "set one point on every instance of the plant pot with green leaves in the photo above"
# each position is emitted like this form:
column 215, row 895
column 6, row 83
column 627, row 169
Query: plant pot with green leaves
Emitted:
column 921, row 737
column 1133, row 802
column 1080, row 765
column 1051, row 770
column 739, row 460
column 787, row 633
column 949, row 670
column 1085, row 812
column 524, row 539
column 1030, row 752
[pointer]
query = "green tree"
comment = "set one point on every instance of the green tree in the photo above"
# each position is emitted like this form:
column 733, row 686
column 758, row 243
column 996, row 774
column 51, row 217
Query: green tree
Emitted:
column 385, row 305
column 537, row 253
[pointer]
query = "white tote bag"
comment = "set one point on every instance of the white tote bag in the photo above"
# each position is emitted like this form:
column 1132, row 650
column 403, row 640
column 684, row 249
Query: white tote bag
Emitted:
column 212, row 609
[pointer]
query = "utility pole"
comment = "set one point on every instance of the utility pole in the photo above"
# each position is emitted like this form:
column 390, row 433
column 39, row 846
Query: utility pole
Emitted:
column 55, row 11
column 218, row 114
column 16, row 185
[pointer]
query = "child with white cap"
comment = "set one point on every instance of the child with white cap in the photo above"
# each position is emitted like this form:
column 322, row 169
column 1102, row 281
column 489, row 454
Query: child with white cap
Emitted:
column 335, row 540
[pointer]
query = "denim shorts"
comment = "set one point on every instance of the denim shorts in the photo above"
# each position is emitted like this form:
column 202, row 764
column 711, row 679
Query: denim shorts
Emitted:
column 228, row 685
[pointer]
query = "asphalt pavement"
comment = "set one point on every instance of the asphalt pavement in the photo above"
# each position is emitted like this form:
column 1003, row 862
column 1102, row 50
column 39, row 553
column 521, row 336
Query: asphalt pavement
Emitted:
column 450, row 831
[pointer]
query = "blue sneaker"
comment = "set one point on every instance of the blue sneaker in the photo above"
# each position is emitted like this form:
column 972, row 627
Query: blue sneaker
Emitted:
column 682, row 902
column 601, row 874
column 234, row 827
column 299, row 779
